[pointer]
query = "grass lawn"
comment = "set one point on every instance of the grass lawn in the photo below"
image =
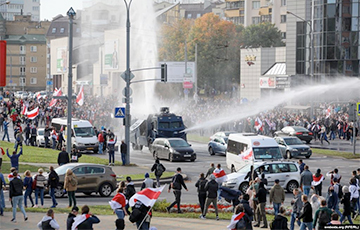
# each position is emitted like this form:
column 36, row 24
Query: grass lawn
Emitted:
column 5, row 168
column 197, row 138
column 141, row 176
column 334, row 153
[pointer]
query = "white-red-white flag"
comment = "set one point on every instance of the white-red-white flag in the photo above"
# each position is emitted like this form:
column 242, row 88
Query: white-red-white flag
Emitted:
column 24, row 110
column 80, row 96
column 328, row 111
column 147, row 196
column 247, row 155
column 33, row 113
column 258, row 124
column 234, row 219
column 57, row 92
column 220, row 175
column 78, row 220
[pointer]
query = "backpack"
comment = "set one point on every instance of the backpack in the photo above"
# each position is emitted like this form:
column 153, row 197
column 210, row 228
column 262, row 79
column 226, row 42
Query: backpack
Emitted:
column 33, row 184
column 324, row 218
column 241, row 224
column 73, row 182
column 159, row 170
column 340, row 193
column 138, row 213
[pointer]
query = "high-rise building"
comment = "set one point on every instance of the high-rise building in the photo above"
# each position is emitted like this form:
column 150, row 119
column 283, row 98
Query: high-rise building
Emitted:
column 20, row 7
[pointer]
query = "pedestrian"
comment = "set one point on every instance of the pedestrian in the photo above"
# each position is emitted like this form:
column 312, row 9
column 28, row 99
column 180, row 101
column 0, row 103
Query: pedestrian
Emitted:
column 301, row 165
column 118, row 203
column 123, row 151
column 53, row 137
column 33, row 135
column 86, row 220
column 129, row 192
column 305, row 180
column 105, row 135
column 48, row 221
column 70, row 185
column 251, row 175
column 240, row 219
column 220, row 176
column 63, row 157
column 27, row 134
column 159, row 170
column 323, row 135
column 176, row 184
column 111, row 147
column 318, row 178
column 335, row 219
column 120, row 224
column 101, row 142
column 260, row 209
column 245, row 203
column 354, row 196
column 210, row 170
column 253, row 189
column 60, row 139
column 211, row 189
column 18, row 140
column 142, row 217
column 46, row 136
column 200, row 184
column 11, row 174
column 75, row 155
column 280, row 221
column 40, row 186
column 332, row 200
column 334, row 174
column 306, row 214
column 16, row 196
column 2, row 198
column 14, row 158
column 322, row 216
column 71, row 217
column 6, row 129
column 296, row 208
column 277, row 196
column 53, row 182
column 346, row 205
column 28, row 181
column 148, row 182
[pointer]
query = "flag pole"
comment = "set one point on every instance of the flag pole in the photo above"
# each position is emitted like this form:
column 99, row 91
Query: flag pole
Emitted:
column 147, row 214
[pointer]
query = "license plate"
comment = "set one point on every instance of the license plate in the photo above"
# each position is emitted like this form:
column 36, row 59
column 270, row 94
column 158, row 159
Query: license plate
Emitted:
column 187, row 155
column 305, row 134
column 304, row 153
column 89, row 148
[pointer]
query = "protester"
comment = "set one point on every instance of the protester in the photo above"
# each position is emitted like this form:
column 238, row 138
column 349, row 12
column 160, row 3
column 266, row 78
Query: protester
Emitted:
column 118, row 203
column 120, row 224
column 211, row 189
column 306, row 214
column 70, row 185
column 301, row 165
column 53, row 138
column 141, row 214
column 28, row 181
column 40, row 186
column 14, row 158
column 210, row 170
column 123, row 151
column 75, row 155
column 260, row 209
column 2, row 198
column 71, row 217
column 159, row 170
column 5, row 128
column 148, row 182
column 335, row 219
column 334, row 174
column 280, row 221
column 86, row 220
column 333, row 200
column 177, row 183
column 18, row 140
column 277, row 196
column 240, row 219
column 245, row 203
column 322, row 216
column 220, row 176
column 318, row 178
column 354, row 195
column 129, row 192
column 305, row 180
column 53, row 181
column 101, row 141
column 111, row 147
column 296, row 208
column 251, row 175
column 48, row 221
column 63, row 157
column 200, row 184
column 346, row 205
column 16, row 196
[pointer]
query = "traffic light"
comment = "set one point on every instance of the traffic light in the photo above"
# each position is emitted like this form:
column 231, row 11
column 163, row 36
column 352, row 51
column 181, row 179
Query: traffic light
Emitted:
column 163, row 72
column 2, row 63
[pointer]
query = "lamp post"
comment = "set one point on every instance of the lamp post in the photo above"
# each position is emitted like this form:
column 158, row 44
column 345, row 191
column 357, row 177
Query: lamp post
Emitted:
column 311, row 26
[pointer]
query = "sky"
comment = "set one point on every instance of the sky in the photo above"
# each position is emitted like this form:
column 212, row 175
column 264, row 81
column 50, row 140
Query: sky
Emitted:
column 51, row 8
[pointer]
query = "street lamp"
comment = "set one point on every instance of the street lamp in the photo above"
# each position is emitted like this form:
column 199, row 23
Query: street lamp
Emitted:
column 311, row 26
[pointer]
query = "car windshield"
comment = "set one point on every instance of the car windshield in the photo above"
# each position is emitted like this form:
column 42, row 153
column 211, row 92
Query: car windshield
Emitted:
column 41, row 132
column 293, row 141
column 178, row 143
column 175, row 125
column 62, row 169
column 300, row 129
column 84, row 132
column 164, row 125
column 246, row 168
column 267, row 153
column 226, row 139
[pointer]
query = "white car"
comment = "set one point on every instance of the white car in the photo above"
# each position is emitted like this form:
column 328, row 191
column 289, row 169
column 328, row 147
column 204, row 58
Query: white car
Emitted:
column 40, row 138
column 42, row 94
column 287, row 172
column 18, row 94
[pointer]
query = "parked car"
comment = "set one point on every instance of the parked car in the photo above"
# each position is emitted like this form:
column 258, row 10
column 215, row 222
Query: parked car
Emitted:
column 24, row 95
column 298, row 131
column 40, row 138
column 288, row 174
column 293, row 147
column 91, row 178
column 218, row 142
column 172, row 149
column 18, row 94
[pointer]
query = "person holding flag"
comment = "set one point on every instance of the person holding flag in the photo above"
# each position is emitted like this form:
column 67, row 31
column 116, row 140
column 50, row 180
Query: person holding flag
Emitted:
column 220, row 176
column 118, row 203
column 80, row 96
column 240, row 220
column 85, row 221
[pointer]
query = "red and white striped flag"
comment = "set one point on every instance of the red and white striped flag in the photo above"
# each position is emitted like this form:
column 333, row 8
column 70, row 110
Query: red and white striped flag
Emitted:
column 234, row 219
column 258, row 124
column 247, row 155
column 78, row 220
column 33, row 113
column 24, row 110
column 38, row 97
column 2, row 152
column 220, row 175
column 147, row 196
column 80, row 96
column 57, row 92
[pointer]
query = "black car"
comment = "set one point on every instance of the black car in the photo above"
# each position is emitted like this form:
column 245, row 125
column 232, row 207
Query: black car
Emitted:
column 172, row 149
column 293, row 147
column 298, row 131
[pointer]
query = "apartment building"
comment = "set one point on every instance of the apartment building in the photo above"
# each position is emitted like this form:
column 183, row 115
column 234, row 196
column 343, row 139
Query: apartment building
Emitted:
column 20, row 7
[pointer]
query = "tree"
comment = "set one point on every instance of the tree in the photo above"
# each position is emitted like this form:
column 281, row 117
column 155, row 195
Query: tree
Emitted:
column 262, row 35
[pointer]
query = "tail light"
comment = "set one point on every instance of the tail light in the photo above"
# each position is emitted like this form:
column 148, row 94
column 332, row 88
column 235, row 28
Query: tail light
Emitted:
column 299, row 133
column 113, row 175
column 310, row 133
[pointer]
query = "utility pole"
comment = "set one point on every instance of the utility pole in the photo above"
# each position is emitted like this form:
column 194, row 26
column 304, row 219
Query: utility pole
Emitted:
column 186, row 94
column 312, row 58
column 71, row 13
column 196, row 72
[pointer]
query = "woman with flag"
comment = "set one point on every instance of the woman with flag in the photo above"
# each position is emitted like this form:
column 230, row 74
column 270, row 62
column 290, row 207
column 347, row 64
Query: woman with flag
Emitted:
column 85, row 221
column 240, row 220
column 118, row 203
column 318, row 178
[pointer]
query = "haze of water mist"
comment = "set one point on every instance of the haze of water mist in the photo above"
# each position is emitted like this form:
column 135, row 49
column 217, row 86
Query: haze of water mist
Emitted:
column 343, row 87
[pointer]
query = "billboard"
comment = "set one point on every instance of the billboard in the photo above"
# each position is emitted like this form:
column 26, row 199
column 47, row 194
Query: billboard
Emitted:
column 111, row 55
column 176, row 72
column 2, row 63
column 61, row 60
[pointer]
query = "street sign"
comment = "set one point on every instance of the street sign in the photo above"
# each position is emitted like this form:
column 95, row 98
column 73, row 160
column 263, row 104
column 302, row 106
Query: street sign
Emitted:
column 119, row 112
column 358, row 108
column 187, row 85
column 103, row 79
column 123, row 76
column 71, row 12
column 49, row 82
column 124, row 91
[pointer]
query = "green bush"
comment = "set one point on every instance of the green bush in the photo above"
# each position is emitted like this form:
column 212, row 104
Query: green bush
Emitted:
column 161, row 205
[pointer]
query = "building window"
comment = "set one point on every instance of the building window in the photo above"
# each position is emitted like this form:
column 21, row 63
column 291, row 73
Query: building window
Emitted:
column 62, row 29
column 77, row 30
column 283, row 35
column 22, row 50
column 34, row 0
column 33, row 59
column 22, row 81
column 189, row 16
column 53, row 30
column 22, row 60
column 35, row 8
column 242, row 12
column 33, row 49
column 265, row 18
column 22, row 70
column 33, row 69
column 33, row 81
column 198, row 15
column 256, row 5
column 283, row 2
column 255, row 20
column 283, row 18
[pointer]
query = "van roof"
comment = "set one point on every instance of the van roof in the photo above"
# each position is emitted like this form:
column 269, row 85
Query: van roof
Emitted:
column 63, row 121
column 251, row 138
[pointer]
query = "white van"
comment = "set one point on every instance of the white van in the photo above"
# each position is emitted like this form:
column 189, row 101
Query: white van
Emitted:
column 244, row 148
column 83, row 136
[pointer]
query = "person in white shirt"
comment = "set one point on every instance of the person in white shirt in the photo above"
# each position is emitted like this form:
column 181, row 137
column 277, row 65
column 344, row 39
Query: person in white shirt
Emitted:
column 48, row 221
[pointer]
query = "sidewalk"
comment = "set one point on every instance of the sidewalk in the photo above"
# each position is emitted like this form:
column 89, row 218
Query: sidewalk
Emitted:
column 108, row 222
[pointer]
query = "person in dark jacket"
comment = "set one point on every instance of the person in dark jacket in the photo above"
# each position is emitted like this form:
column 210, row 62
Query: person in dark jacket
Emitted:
column 159, row 170
column 317, row 219
column 280, row 221
column 129, row 192
column 111, row 147
column 245, row 202
column 16, row 196
column 260, row 209
column 60, row 140
column 53, row 181
column 305, row 214
column 252, row 174
column 211, row 188
column 71, row 216
column 14, row 158
column 346, row 202
column 200, row 184
column 333, row 200
column 63, row 157
column 123, row 151
column 28, row 180
column 239, row 209
column 48, row 221
column 75, row 155
column 86, row 220
column 27, row 134
column 176, row 184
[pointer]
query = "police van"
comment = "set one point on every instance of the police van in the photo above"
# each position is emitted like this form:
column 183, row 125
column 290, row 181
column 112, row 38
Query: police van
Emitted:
column 83, row 135
column 245, row 148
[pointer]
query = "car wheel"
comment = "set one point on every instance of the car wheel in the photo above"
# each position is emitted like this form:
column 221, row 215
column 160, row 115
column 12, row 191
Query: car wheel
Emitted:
column 244, row 186
column 233, row 168
column 37, row 143
column 171, row 157
column 96, row 151
column 87, row 193
column 211, row 151
column 105, row 190
column 140, row 147
column 291, row 186
column 307, row 142
column 288, row 154
column 192, row 160
column 307, row 157
column 59, row 191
